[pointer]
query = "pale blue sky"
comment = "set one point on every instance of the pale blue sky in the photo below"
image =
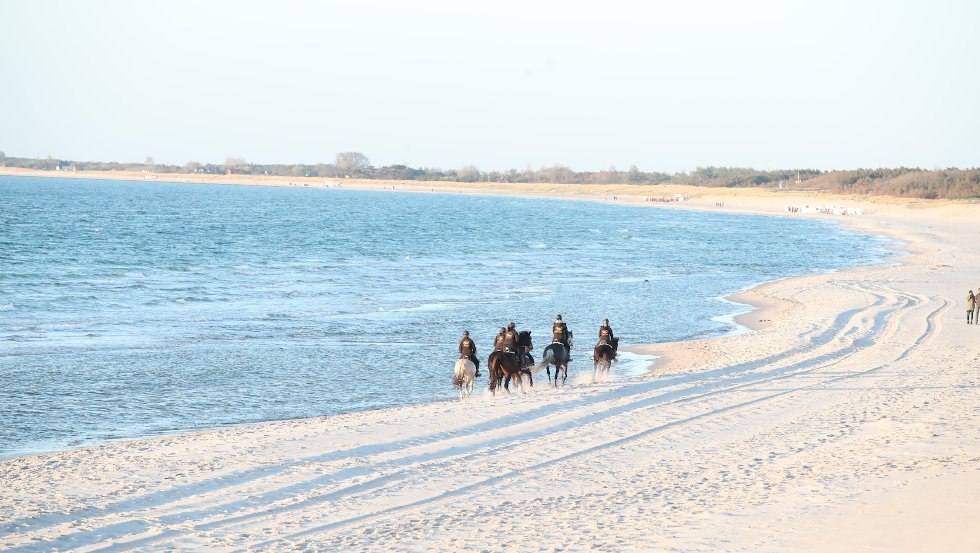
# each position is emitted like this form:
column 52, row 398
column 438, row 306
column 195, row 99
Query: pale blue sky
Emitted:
column 667, row 86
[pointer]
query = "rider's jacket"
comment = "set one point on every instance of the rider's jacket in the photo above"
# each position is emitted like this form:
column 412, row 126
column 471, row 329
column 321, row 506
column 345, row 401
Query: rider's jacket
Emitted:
column 510, row 340
column 467, row 348
column 605, row 334
column 498, row 343
column 560, row 332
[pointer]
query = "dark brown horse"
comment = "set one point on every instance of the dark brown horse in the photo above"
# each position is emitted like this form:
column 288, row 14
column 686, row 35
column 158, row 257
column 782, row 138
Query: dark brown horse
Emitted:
column 504, row 365
column 603, row 357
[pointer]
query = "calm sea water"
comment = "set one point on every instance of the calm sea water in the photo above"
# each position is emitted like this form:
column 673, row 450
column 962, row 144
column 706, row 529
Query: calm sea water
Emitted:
column 130, row 308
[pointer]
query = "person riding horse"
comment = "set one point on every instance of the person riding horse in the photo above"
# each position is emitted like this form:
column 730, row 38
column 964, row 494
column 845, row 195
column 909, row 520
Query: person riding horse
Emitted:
column 467, row 350
column 510, row 339
column 605, row 351
column 605, row 333
column 498, row 342
column 513, row 361
column 512, row 344
column 559, row 331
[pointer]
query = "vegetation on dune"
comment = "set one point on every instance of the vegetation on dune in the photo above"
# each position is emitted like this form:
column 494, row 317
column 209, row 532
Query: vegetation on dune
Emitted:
column 901, row 182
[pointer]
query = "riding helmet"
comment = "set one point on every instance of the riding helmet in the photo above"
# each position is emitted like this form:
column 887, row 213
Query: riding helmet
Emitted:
column 558, row 318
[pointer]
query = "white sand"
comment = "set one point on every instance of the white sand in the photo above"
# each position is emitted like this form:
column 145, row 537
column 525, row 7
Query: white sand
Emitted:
column 848, row 421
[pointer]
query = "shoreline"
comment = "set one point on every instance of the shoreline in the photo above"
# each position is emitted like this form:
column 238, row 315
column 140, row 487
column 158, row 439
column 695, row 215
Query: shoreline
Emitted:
column 857, row 395
column 651, row 362
column 763, row 309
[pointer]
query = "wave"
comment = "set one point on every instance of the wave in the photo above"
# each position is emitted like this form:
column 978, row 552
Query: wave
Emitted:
column 193, row 299
column 289, row 315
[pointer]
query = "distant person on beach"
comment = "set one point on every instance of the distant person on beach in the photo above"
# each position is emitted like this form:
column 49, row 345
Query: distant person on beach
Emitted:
column 976, row 308
column 971, row 306
column 467, row 349
column 498, row 342
column 605, row 333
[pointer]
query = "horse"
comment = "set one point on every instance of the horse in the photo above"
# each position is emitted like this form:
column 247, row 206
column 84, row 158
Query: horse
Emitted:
column 505, row 365
column 464, row 377
column 558, row 355
column 603, row 357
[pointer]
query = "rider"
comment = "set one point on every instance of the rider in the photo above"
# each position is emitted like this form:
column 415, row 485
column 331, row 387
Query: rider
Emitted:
column 510, row 339
column 467, row 349
column 605, row 333
column 498, row 342
column 559, row 333
column 512, row 345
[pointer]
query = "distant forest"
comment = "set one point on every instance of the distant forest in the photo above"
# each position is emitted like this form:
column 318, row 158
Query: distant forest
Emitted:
column 905, row 182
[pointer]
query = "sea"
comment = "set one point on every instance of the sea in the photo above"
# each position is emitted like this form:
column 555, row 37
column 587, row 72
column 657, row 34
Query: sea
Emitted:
column 133, row 309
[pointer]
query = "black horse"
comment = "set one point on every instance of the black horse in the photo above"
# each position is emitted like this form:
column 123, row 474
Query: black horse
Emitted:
column 603, row 357
column 558, row 355
column 504, row 365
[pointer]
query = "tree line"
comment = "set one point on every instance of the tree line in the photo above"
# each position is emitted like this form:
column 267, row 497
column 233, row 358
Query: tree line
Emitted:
column 907, row 182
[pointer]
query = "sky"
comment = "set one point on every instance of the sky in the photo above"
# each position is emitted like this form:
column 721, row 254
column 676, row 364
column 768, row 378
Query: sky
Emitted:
column 666, row 86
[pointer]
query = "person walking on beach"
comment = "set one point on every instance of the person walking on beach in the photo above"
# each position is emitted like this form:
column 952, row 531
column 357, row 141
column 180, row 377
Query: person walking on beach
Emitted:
column 971, row 306
column 976, row 308
column 467, row 349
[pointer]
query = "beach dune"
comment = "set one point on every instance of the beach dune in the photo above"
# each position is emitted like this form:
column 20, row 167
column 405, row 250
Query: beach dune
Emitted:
column 847, row 420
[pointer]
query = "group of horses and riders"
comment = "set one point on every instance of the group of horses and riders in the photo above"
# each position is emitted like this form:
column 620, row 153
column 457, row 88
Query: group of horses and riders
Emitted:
column 511, row 357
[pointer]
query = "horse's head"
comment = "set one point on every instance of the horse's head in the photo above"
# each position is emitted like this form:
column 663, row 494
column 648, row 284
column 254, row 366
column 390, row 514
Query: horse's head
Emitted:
column 524, row 339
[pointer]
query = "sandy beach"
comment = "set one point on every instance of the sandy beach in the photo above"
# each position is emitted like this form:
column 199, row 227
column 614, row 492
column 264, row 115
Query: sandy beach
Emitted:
column 846, row 419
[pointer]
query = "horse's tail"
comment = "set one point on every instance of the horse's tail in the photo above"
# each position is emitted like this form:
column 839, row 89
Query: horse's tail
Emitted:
column 547, row 357
column 459, row 372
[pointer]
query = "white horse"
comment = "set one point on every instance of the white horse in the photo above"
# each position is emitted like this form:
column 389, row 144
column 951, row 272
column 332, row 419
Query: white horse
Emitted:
column 464, row 377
